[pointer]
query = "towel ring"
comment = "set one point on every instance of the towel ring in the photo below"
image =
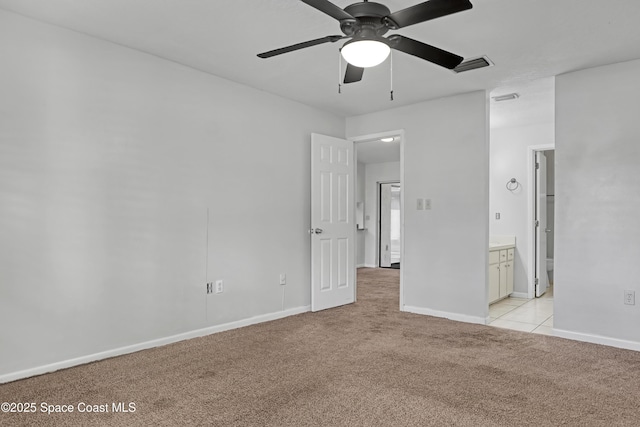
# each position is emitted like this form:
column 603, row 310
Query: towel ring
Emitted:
column 512, row 185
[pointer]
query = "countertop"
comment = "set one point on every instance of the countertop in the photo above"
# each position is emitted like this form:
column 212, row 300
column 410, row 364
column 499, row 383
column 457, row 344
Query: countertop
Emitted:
column 498, row 246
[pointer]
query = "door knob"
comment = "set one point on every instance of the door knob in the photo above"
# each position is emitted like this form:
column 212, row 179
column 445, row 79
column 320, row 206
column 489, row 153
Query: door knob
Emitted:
column 547, row 230
column 318, row 231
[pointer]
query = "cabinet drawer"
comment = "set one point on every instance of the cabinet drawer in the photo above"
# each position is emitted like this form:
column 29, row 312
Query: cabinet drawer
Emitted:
column 494, row 257
column 503, row 255
column 510, row 253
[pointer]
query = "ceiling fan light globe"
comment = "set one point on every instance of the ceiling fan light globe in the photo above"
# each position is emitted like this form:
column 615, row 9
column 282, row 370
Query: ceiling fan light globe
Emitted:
column 365, row 53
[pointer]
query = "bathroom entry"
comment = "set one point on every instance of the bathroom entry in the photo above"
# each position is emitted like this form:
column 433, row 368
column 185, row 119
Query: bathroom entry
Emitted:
column 389, row 224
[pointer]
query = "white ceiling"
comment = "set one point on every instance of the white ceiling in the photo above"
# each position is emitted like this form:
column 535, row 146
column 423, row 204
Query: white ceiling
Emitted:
column 526, row 39
column 535, row 104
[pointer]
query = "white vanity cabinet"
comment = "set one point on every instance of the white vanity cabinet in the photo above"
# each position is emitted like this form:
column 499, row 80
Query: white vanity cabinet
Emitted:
column 500, row 273
column 509, row 270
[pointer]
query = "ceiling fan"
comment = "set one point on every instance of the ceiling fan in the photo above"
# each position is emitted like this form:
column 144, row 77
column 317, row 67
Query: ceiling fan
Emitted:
column 366, row 22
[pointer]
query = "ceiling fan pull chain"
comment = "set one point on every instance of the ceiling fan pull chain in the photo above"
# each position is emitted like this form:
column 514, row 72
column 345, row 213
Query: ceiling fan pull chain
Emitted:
column 391, row 73
column 339, row 71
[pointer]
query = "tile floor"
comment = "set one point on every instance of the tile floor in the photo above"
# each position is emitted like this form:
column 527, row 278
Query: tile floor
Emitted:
column 534, row 315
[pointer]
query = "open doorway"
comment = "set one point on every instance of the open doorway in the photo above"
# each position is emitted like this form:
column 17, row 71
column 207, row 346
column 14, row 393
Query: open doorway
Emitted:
column 379, row 162
column 522, row 124
column 389, row 238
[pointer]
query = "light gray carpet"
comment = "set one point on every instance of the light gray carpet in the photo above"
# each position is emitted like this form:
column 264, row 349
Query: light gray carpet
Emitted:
column 366, row 364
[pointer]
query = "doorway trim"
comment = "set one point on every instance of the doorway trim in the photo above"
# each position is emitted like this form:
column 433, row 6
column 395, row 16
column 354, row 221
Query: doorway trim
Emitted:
column 378, row 135
column 531, row 215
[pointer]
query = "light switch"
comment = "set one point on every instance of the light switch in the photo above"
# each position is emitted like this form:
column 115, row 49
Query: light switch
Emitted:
column 420, row 204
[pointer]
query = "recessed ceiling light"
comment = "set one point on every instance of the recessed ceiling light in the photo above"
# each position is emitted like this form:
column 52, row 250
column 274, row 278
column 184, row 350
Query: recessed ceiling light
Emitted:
column 390, row 139
column 507, row 97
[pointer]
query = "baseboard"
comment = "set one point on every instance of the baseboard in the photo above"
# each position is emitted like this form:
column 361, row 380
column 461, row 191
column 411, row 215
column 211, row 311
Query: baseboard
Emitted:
column 524, row 295
column 447, row 315
column 361, row 265
column 39, row 370
column 597, row 339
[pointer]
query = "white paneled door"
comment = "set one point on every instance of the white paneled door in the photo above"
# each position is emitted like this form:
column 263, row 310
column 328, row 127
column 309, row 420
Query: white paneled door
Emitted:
column 332, row 222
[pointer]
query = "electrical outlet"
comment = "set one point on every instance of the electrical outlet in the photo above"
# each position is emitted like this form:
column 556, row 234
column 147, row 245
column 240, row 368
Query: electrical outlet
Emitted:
column 219, row 286
column 420, row 204
column 427, row 204
column 630, row 297
column 283, row 279
column 497, row 215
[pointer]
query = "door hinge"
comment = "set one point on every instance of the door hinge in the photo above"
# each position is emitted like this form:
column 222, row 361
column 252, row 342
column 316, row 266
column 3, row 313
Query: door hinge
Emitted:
column 536, row 223
column 537, row 165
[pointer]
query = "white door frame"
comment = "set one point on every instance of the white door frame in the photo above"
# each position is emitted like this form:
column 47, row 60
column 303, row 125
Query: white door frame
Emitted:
column 531, row 216
column 373, row 136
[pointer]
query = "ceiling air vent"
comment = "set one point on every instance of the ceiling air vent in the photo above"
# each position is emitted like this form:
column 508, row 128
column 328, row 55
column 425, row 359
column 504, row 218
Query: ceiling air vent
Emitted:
column 472, row 64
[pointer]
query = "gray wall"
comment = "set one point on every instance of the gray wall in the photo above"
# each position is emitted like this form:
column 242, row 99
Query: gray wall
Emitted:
column 110, row 160
column 598, row 203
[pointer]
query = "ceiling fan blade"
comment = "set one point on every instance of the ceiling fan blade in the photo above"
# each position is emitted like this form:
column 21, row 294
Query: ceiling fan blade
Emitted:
column 427, row 52
column 430, row 9
column 298, row 46
column 329, row 8
column 353, row 74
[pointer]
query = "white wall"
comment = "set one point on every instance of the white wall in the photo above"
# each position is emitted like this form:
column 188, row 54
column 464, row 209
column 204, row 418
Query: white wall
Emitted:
column 597, row 203
column 446, row 159
column 109, row 160
column 375, row 173
column 509, row 159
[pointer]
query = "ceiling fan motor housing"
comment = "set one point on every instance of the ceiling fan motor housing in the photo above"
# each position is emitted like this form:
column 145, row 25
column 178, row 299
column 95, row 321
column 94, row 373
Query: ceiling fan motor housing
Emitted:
column 366, row 22
column 369, row 20
column 358, row 10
